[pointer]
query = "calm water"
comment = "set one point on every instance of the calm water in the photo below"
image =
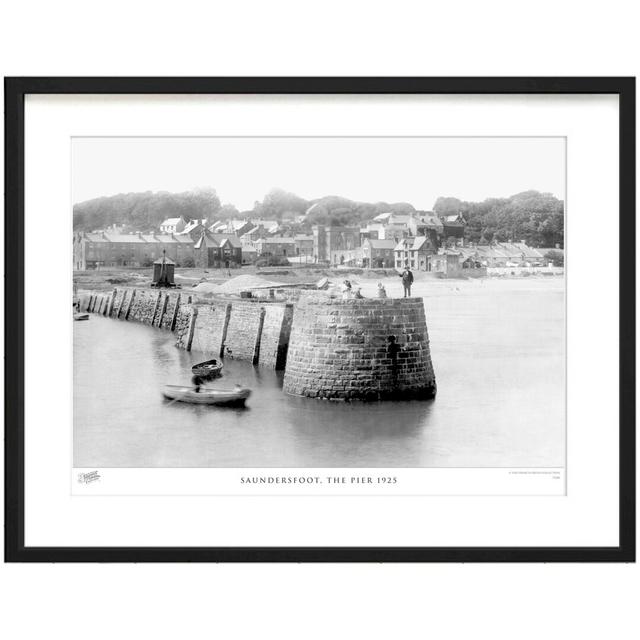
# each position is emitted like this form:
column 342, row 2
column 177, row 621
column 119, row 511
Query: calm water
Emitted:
column 498, row 353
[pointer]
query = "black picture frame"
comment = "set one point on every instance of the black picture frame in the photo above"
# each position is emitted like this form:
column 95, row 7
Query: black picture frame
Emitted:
column 15, row 91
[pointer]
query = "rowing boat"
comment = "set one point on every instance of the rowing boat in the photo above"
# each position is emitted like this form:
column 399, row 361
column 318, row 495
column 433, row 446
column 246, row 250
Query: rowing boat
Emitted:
column 221, row 397
column 80, row 316
column 207, row 369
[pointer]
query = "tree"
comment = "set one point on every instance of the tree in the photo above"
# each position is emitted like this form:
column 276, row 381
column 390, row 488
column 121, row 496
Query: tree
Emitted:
column 227, row 211
column 144, row 211
column 278, row 203
column 531, row 216
column 556, row 257
column 447, row 206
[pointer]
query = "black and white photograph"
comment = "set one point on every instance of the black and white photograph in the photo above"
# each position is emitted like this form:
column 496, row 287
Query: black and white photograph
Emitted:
column 319, row 302
column 373, row 321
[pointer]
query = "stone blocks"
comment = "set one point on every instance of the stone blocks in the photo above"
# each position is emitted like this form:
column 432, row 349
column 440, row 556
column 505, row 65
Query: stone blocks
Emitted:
column 211, row 328
column 369, row 349
column 244, row 331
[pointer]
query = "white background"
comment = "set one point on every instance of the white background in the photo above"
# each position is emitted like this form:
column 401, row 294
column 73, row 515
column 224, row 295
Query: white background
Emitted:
column 332, row 38
column 586, row 516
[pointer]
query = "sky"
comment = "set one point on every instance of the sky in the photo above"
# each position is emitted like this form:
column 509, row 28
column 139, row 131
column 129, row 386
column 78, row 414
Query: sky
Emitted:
column 242, row 170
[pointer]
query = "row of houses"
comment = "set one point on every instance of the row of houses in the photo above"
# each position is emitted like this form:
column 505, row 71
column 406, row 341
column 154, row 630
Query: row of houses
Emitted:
column 374, row 245
column 188, row 243
column 103, row 249
column 419, row 240
column 420, row 254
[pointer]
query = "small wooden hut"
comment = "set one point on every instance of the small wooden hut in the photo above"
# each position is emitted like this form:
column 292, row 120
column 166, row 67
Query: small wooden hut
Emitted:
column 163, row 272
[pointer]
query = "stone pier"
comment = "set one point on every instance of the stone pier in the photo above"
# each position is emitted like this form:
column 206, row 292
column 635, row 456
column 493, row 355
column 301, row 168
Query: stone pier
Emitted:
column 368, row 349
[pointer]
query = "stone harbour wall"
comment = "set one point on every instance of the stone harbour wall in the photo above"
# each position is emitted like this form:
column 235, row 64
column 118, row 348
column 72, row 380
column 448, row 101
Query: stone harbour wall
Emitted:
column 244, row 331
column 168, row 320
column 276, row 329
column 185, row 324
column 369, row 349
column 252, row 330
column 143, row 306
column 211, row 328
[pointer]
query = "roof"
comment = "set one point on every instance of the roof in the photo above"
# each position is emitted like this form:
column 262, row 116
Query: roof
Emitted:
column 124, row 238
column 428, row 219
column 164, row 260
column 302, row 236
column 267, row 224
column 96, row 237
column 491, row 251
column 202, row 240
column 233, row 240
column 453, row 218
column 151, row 238
column 194, row 224
column 544, row 250
column 249, row 249
column 382, row 244
column 165, row 238
column 411, row 244
column 250, row 231
column 529, row 252
column 394, row 218
column 277, row 240
column 170, row 221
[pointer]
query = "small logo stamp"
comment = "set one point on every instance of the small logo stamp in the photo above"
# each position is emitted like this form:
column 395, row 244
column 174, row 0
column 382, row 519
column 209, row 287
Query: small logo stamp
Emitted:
column 88, row 477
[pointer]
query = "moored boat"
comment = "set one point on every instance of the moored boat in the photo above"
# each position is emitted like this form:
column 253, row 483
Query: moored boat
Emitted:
column 207, row 369
column 80, row 316
column 221, row 397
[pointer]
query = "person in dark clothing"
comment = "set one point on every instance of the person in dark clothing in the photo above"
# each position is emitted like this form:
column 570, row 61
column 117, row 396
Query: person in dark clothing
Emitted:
column 407, row 281
column 196, row 381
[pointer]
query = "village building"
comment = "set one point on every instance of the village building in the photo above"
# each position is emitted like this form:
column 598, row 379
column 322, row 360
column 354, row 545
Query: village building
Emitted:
column 529, row 256
column 103, row 250
column 425, row 223
column 304, row 245
column 252, row 235
column 218, row 227
column 217, row 250
column 378, row 254
column 381, row 231
column 414, row 253
column 276, row 246
column 193, row 229
column 249, row 254
column 453, row 226
column 173, row 225
column 328, row 239
column 446, row 261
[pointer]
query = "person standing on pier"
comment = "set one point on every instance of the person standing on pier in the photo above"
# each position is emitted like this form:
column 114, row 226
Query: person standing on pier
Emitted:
column 407, row 281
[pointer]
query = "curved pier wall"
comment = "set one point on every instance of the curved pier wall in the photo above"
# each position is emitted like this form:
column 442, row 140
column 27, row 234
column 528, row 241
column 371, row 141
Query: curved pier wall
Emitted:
column 369, row 349
column 253, row 330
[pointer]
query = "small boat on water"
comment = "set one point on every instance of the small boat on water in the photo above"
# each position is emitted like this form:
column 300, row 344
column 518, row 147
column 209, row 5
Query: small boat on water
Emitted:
column 80, row 316
column 221, row 397
column 207, row 369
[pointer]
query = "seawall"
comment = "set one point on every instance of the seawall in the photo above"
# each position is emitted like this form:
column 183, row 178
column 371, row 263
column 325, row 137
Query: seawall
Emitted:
column 369, row 349
column 247, row 329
